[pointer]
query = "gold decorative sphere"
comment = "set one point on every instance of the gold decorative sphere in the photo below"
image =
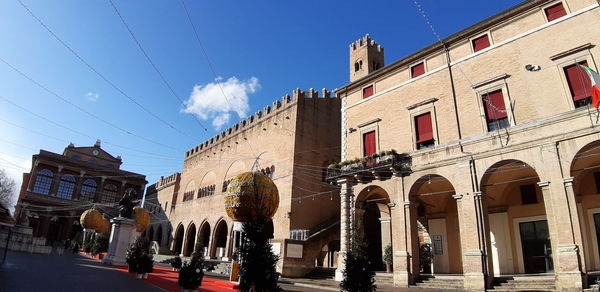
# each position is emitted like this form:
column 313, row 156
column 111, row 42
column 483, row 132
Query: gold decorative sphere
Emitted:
column 251, row 195
column 104, row 226
column 91, row 219
column 142, row 218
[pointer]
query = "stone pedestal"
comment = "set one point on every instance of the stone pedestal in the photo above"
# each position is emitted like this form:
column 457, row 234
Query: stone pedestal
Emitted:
column 121, row 236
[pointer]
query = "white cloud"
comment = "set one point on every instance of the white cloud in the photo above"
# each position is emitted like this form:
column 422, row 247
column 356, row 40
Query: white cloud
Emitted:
column 207, row 101
column 91, row 96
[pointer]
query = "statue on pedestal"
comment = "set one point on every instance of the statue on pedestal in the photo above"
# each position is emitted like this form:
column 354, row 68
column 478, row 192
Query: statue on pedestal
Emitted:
column 126, row 205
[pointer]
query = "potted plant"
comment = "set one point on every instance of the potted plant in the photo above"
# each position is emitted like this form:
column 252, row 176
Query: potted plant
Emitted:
column 99, row 245
column 192, row 272
column 145, row 264
column 176, row 263
column 134, row 254
column 387, row 258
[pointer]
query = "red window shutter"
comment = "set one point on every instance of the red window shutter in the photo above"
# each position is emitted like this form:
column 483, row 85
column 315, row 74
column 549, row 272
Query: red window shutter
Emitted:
column 369, row 144
column 555, row 12
column 494, row 105
column 579, row 81
column 481, row 43
column 367, row 91
column 424, row 128
column 417, row 70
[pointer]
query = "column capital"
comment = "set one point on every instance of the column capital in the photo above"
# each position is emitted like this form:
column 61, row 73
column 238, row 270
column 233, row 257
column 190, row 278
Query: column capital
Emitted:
column 123, row 183
column 550, row 146
column 348, row 180
column 568, row 180
column 407, row 204
column 103, row 178
column 543, row 184
column 82, row 173
column 60, row 168
column 478, row 195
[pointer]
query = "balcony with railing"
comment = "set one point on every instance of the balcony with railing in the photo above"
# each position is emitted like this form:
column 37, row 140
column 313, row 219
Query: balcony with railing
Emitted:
column 378, row 166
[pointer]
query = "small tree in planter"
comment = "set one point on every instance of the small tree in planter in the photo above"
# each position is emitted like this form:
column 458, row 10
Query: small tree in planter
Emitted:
column 192, row 272
column 176, row 263
column 357, row 278
column 257, row 270
column 135, row 253
column 100, row 244
column 388, row 258
column 145, row 264
column 87, row 246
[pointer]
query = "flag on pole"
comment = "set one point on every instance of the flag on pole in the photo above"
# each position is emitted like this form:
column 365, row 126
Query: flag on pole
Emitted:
column 595, row 78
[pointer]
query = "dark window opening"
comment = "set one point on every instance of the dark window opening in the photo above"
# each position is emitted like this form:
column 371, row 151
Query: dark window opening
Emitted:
column 579, row 84
column 528, row 194
column 597, row 181
column 424, row 131
column 495, row 110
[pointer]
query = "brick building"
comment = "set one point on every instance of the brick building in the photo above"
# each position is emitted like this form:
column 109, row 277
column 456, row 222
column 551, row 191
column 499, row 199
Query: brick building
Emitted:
column 61, row 186
column 498, row 171
column 292, row 141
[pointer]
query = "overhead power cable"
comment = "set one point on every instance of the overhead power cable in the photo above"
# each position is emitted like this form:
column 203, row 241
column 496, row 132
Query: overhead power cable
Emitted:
column 87, row 64
column 160, row 74
column 82, row 109
column 76, row 131
column 210, row 66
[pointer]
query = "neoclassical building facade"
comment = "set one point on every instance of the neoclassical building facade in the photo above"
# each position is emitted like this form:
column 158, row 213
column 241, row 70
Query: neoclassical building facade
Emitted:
column 61, row 186
column 497, row 171
column 291, row 141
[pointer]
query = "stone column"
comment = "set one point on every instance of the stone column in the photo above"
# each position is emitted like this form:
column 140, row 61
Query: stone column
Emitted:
column 56, row 181
column 347, row 195
column 100, row 190
column 227, row 254
column 78, row 184
column 473, row 231
column 566, row 256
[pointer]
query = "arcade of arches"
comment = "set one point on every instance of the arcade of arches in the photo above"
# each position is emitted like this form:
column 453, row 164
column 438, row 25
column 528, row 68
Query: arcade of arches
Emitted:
column 216, row 243
column 483, row 218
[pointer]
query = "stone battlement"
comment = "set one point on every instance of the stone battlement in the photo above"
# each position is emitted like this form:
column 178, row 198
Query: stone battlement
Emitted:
column 298, row 96
column 167, row 181
column 366, row 40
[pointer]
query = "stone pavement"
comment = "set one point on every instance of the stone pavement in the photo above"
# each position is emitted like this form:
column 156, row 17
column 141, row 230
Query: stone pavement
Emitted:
column 67, row 272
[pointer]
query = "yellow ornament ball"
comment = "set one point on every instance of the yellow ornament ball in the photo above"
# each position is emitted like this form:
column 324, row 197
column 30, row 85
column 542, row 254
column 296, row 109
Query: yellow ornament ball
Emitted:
column 104, row 226
column 142, row 218
column 251, row 195
column 91, row 219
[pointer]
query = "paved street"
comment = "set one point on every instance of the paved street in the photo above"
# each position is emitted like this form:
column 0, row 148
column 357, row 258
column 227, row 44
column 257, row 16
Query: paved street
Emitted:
column 33, row 272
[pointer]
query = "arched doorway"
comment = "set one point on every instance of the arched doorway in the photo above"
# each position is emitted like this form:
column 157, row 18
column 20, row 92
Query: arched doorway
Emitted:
column 220, row 240
column 585, row 170
column 189, row 240
column 373, row 214
column 519, row 234
column 204, row 237
column 178, row 244
column 327, row 258
column 159, row 235
column 437, row 225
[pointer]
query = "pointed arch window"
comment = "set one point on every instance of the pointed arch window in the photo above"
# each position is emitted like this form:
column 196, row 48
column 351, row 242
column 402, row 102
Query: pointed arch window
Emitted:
column 43, row 181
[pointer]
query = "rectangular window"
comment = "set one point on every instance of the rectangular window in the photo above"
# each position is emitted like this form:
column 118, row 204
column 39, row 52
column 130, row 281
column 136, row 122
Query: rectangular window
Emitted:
column 555, row 11
column 481, row 43
column 367, row 91
column 424, row 131
column 417, row 70
column 597, row 181
column 528, row 195
column 495, row 111
column 369, row 144
column 579, row 84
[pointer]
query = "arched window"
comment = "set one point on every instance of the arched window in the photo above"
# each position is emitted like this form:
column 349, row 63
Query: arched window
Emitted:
column 66, row 187
column 358, row 65
column 88, row 190
column 110, row 194
column 43, row 181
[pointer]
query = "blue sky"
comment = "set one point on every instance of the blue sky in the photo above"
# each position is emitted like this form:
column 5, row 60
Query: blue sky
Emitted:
column 260, row 50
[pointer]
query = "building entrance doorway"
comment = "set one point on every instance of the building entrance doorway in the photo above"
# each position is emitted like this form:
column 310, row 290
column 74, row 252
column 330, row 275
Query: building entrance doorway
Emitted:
column 537, row 250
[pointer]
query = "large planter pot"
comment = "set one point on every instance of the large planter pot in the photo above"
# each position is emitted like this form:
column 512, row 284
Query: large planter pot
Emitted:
column 388, row 268
column 189, row 290
column 139, row 276
column 145, row 275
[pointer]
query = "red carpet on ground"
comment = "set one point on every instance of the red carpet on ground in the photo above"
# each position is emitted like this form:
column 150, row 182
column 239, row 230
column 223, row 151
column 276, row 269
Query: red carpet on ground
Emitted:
column 167, row 279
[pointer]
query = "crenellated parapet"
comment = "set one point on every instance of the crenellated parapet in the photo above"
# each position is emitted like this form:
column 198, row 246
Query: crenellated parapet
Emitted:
column 167, row 181
column 366, row 41
column 297, row 97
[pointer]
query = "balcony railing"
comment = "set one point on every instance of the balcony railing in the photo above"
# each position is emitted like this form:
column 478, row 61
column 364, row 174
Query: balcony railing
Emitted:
column 373, row 167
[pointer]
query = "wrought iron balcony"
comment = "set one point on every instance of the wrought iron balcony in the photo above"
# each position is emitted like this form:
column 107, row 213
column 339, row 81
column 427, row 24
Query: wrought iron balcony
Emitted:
column 369, row 168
